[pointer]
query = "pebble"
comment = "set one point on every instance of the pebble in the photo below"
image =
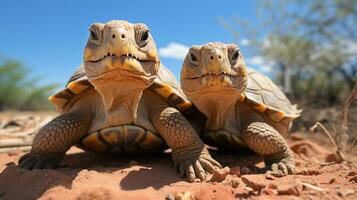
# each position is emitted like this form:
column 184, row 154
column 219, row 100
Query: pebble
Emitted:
column 220, row 175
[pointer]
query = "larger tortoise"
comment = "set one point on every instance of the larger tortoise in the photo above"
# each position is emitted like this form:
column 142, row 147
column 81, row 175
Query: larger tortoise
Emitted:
column 121, row 100
column 244, row 108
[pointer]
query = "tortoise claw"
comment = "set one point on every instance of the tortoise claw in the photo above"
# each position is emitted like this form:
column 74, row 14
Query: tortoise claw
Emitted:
column 32, row 161
column 281, row 169
column 195, row 164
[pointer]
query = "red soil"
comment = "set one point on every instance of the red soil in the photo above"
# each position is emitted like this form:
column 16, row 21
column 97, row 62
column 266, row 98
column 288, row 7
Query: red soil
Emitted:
column 94, row 176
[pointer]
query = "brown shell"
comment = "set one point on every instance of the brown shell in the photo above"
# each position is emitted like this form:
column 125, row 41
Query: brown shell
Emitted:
column 165, row 85
column 264, row 96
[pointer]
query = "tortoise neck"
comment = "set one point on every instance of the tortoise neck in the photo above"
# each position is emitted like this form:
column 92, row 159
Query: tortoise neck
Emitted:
column 121, row 101
column 218, row 108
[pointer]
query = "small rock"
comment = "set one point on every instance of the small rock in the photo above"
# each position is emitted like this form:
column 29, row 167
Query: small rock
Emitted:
column 269, row 176
column 344, row 193
column 170, row 196
column 249, row 189
column 231, row 181
column 220, row 175
column 245, row 170
column 256, row 182
column 309, row 172
column 353, row 179
column 290, row 187
column 332, row 181
column 184, row 196
column 235, row 171
column 270, row 190
column 352, row 173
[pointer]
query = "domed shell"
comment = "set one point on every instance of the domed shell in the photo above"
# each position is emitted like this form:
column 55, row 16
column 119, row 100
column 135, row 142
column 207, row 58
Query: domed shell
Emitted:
column 265, row 97
column 165, row 85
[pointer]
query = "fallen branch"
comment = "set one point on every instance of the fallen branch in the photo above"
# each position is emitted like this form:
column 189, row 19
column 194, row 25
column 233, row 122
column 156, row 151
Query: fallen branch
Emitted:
column 24, row 148
column 14, row 143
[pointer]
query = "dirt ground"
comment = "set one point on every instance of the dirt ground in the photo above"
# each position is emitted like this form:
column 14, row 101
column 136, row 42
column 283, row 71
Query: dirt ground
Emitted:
column 85, row 175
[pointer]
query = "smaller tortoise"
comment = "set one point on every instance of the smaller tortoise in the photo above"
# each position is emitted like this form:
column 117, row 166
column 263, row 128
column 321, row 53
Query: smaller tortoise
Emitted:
column 243, row 107
column 121, row 100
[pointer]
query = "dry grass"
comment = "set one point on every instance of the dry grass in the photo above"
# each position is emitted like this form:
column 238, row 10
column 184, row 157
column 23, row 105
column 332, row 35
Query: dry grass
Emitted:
column 340, row 135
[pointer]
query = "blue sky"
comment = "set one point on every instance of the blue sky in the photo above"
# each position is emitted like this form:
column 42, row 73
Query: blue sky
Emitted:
column 49, row 36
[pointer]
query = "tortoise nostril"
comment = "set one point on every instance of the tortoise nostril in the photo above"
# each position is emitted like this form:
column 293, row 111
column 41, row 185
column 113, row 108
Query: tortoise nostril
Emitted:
column 211, row 57
column 113, row 36
column 123, row 36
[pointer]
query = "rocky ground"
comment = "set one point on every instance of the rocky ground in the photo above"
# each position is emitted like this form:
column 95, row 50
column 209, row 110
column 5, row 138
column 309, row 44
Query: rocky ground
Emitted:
column 86, row 176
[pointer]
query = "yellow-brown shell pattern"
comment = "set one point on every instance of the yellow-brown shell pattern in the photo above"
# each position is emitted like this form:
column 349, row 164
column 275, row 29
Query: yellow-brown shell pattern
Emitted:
column 265, row 97
column 123, row 139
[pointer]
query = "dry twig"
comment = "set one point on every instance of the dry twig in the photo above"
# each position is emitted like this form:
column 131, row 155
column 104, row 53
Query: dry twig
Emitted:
column 341, row 136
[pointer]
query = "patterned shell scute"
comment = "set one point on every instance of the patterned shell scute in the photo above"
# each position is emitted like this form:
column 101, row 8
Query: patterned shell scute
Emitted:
column 167, row 86
column 76, row 84
column 263, row 95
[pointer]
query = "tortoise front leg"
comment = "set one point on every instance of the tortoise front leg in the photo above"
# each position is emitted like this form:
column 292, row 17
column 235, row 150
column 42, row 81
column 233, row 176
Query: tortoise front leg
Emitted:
column 266, row 141
column 54, row 139
column 189, row 154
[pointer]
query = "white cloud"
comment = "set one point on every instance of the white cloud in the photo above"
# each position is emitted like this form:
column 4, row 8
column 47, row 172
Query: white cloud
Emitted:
column 174, row 50
column 244, row 42
column 265, row 68
column 261, row 63
column 256, row 60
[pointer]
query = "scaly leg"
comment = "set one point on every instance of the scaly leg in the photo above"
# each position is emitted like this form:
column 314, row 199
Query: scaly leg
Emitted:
column 266, row 141
column 54, row 139
column 189, row 154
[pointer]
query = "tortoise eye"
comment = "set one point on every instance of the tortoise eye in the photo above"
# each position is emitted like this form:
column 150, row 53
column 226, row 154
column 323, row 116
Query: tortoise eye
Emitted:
column 142, row 34
column 93, row 35
column 234, row 56
column 193, row 58
column 145, row 36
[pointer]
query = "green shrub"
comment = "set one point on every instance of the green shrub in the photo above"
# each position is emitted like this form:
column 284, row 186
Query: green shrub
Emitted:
column 18, row 91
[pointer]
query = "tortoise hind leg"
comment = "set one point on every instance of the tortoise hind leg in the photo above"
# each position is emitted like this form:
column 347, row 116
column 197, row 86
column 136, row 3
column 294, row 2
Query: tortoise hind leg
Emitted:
column 266, row 141
column 54, row 139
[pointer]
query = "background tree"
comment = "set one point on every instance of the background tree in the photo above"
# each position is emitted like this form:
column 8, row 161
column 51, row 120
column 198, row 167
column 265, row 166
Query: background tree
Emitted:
column 313, row 45
column 18, row 91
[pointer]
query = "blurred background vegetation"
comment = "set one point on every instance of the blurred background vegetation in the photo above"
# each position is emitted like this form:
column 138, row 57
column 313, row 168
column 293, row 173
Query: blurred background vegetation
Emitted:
column 19, row 91
column 312, row 46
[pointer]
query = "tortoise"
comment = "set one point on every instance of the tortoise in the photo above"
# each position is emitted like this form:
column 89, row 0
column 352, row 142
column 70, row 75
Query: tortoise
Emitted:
column 244, row 108
column 121, row 100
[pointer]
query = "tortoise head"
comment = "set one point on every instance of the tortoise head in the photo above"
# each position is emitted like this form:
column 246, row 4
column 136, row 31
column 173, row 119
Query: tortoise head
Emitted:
column 120, row 50
column 214, row 68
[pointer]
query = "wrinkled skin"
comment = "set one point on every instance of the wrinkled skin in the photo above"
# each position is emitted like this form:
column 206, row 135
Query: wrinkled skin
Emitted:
column 121, row 61
column 214, row 77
